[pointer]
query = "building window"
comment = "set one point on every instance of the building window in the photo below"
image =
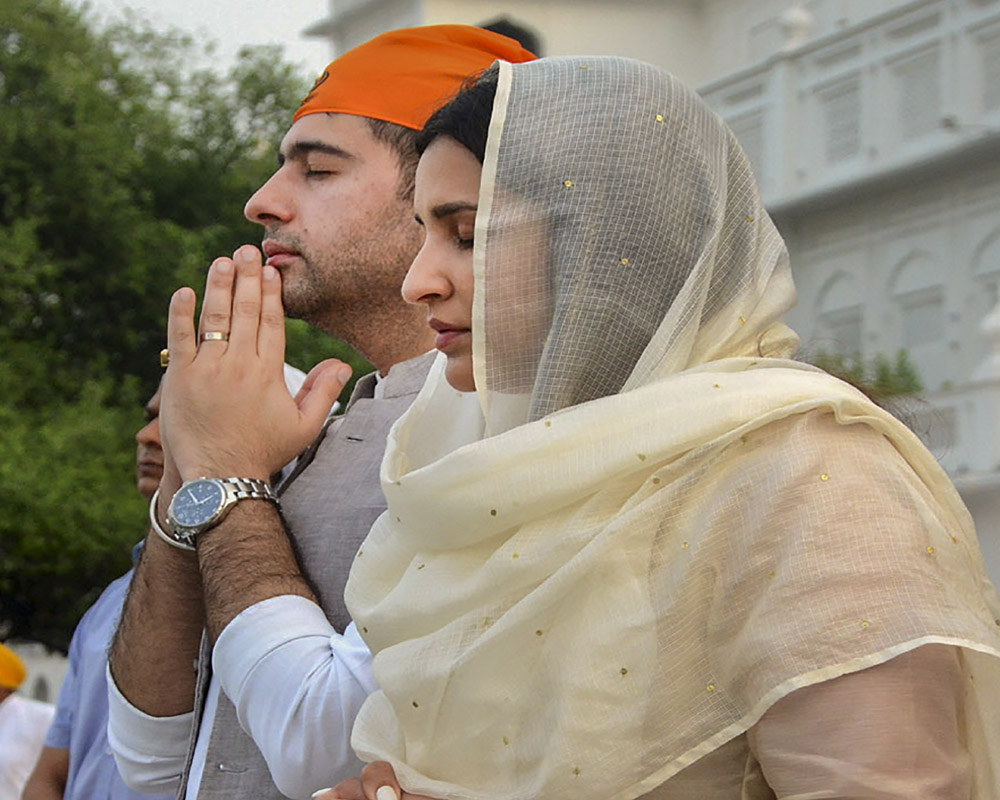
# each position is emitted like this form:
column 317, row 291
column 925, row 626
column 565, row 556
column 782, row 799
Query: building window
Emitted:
column 923, row 317
column 918, row 89
column 840, row 317
column 919, row 298
column 841, row 106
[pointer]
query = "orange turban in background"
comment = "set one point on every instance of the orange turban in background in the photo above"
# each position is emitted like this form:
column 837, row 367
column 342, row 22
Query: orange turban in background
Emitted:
column 404, row 76
column 12, row 670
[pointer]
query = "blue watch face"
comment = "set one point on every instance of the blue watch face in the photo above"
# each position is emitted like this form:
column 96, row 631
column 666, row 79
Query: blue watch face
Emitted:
column 196, row 503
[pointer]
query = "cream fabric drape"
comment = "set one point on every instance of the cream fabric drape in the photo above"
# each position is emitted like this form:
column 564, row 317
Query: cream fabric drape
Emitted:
column 648, row 524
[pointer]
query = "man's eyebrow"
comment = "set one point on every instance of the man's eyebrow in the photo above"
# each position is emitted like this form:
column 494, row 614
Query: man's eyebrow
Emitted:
column 300, row 150
column 447, row 209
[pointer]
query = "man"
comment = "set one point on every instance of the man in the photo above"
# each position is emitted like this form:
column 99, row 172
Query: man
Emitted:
column 339, row 227
column 23, row 724
column 76, row 762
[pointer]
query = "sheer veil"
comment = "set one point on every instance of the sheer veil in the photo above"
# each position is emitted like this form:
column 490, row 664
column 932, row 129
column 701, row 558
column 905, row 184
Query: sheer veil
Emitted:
column 648, row 524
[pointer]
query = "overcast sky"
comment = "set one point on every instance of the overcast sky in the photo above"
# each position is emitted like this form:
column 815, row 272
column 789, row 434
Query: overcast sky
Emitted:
column 234, row 23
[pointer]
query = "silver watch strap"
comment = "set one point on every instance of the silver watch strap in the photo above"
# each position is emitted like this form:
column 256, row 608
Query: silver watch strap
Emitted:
column 251, row 489
column 155, row 523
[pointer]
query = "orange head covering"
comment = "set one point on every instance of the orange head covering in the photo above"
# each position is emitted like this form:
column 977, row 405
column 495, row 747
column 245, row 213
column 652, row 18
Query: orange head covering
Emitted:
column 404, row 76
column 12, row 671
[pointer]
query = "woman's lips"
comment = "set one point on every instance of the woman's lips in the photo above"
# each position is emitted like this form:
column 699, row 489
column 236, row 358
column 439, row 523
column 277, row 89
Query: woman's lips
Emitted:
column 448, row 337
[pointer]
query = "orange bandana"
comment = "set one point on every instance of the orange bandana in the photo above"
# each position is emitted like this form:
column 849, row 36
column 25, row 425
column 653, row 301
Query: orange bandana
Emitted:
column 12, row 671
column 404, row 76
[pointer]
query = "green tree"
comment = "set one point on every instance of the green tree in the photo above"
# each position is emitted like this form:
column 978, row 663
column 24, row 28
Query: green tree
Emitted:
column 123, row 172
column 884, row 380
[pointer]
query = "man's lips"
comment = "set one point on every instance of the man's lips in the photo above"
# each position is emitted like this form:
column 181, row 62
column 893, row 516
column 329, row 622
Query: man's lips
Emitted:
column 277, row 254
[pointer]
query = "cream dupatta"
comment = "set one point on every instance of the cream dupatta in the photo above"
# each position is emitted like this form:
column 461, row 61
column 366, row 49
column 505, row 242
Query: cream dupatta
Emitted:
column 648, row 525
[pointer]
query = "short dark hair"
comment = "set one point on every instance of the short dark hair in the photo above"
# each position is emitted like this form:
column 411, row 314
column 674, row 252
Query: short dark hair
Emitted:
column 403, row 141
column 465, row 118
column 505, row 26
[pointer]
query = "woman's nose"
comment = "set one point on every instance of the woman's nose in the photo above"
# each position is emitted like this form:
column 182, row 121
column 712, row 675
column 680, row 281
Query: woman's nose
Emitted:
column 424, row 282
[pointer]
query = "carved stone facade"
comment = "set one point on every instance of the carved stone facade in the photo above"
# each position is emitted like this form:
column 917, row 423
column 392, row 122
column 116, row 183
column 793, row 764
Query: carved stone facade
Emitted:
column 874, row 127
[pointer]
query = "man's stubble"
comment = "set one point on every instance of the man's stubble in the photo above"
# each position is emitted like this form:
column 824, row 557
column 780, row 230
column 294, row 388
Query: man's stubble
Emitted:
column 344, row 289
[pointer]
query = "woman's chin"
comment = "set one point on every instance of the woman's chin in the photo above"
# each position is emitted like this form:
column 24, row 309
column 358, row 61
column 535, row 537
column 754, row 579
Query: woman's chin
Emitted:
column 458, row 373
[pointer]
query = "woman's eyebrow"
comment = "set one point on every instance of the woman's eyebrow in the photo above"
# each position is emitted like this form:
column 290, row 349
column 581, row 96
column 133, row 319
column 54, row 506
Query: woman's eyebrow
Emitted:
column 446, row 209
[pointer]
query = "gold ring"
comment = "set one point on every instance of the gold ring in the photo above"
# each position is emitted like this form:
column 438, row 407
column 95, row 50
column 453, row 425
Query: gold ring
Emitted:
column 164, row 357
column 214, row 336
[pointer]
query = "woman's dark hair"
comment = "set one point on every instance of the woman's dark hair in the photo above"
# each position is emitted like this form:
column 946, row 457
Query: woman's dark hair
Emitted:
column 466, row 117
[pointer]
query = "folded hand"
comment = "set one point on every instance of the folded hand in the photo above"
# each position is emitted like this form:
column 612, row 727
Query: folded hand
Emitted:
column 225, row 409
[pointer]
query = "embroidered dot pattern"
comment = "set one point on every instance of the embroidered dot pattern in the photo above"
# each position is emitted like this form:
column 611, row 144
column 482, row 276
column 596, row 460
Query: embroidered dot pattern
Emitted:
column 824, row 477
column 568, row 184
column 548, row 424
column 576, row 770
column 538, row 632
column 743, row 321
column 624, row 671
column 493, row 512
column 710, row 687
column 506, row 741
column 865, row 624
column 656, row 481
column 626, row 262
column 416, row 704
column 641, row 456
column 930, row 551
column 659, row 117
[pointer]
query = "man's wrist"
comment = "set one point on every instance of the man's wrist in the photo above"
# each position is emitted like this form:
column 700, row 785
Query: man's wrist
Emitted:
column 222, row 471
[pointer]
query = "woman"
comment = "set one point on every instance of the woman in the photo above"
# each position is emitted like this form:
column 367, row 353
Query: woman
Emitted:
column 649, row 554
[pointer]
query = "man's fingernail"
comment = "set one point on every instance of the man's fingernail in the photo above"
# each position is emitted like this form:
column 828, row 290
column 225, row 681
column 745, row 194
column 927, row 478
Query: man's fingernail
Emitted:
column 345, row 375
column 224, row 266
column 321, row 791
column 386, row 793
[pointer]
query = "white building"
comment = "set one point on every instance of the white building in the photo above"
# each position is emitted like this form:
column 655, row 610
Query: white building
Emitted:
column 874, row 127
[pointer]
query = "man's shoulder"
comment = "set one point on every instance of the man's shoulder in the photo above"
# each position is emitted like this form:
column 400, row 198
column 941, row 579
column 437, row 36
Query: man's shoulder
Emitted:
column 407, row 377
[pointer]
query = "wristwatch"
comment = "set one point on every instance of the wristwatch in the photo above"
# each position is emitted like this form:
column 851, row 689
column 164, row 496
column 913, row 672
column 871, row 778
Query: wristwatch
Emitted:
column 203, row 503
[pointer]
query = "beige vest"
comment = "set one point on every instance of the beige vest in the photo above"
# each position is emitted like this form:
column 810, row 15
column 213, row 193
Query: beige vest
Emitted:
column 329, row 502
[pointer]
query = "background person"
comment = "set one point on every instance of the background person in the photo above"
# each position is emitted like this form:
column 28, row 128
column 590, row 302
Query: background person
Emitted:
column 338, row 236
column 23, row 723
column 76, row 761
column 675, row 563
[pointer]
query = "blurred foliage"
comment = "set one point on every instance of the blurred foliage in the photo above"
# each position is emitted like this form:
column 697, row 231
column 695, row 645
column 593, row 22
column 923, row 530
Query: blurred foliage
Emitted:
column 123, row 171
column 884, row 380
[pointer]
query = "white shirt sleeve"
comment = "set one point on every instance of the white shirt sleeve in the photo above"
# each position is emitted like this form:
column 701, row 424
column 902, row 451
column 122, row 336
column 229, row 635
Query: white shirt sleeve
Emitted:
column 297, row 686
column 150, row 751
